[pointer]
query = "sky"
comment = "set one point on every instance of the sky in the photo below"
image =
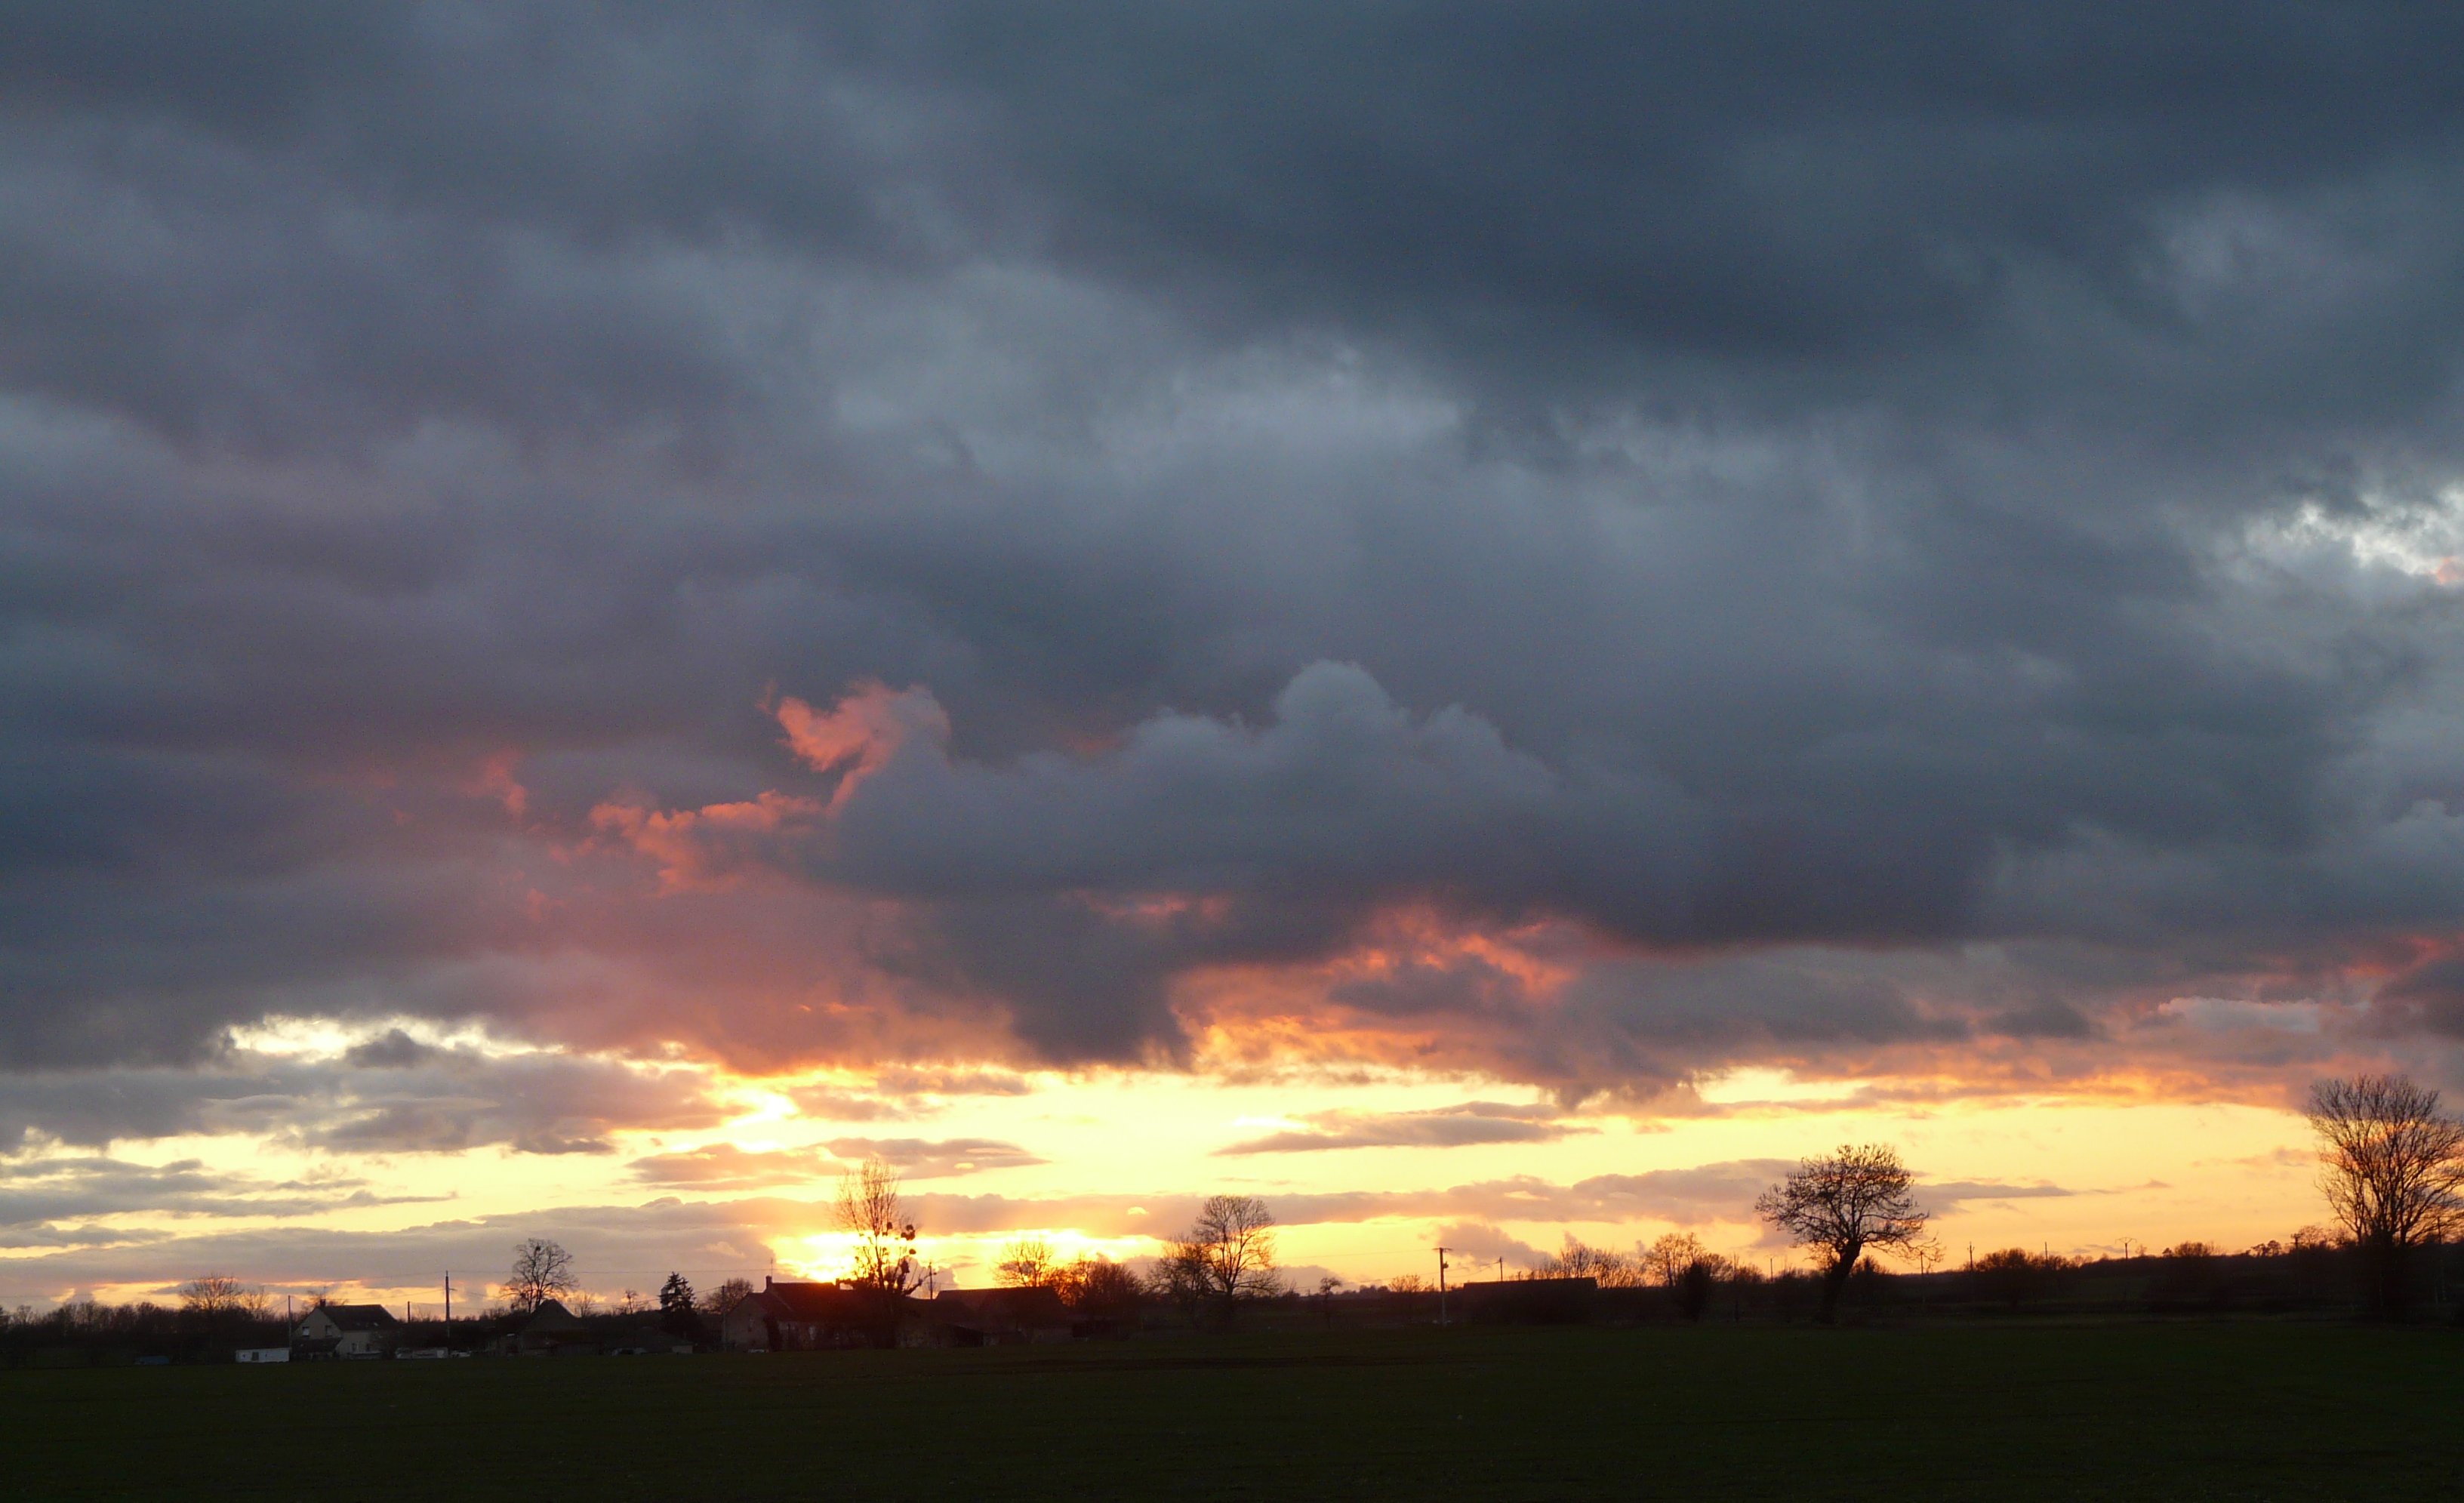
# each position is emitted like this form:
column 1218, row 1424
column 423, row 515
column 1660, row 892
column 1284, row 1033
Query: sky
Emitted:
column 1484, row 622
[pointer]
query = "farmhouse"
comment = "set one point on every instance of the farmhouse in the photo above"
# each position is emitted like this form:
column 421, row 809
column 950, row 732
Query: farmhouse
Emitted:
column 1000, row 1316
column 346, row 1331
column 554, row 1331
column 805, row 1317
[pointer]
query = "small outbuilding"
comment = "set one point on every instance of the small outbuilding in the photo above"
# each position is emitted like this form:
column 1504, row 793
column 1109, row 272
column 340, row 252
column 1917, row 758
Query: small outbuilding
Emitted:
column 1528, row 1301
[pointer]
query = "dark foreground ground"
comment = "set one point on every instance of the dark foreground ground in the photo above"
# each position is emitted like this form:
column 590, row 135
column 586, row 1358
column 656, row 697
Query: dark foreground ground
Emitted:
column 2221, row 1410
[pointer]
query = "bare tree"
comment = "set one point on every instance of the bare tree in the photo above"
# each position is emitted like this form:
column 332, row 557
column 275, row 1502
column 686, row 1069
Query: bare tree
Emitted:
column 1699, row 1280
column 542, row 1271
column 720, row 1300
column 870, row 1207
column 1576, row 1259
column 221, row 1302
column 1099, row 1287
column 2392, row 1168
column 213, row 1295
column 1842, row 1205
column 1227, row 1256
column 1027, row 1263
column 1667, row 1259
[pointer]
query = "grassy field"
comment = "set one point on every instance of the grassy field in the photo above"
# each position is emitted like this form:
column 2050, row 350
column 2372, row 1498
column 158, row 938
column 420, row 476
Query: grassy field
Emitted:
column 2223, row 1410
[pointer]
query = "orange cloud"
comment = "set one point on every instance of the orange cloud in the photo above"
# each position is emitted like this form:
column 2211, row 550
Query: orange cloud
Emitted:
column 496, row 780
column 859, row 734
column 699, row 848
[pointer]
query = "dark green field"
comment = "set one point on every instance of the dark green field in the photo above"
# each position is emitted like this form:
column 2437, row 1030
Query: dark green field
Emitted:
column 2247, row 1410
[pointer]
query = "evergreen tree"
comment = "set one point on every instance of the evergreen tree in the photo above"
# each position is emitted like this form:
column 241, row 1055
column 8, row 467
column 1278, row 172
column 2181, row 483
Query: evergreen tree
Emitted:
column 676, row 1306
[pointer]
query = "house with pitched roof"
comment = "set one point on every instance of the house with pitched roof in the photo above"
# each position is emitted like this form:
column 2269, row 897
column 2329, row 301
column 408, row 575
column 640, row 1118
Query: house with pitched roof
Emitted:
column 806, row 1317
column 1001, row 1316
column 346, row 1331
column 554, row 1331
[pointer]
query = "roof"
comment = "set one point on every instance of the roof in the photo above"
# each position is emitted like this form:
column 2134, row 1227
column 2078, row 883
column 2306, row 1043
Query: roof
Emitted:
column 1002, row 1307
column 819, row 1304
column 359, row 1317
column 552, row 1316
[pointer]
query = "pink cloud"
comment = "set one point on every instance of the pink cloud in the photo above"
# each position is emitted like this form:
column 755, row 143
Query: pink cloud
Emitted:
column 862, row 732
column 703, row 847
column 496, row 780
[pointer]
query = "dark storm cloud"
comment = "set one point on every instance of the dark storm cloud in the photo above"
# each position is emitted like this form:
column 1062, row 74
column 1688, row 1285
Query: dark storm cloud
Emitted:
column 1766, row 488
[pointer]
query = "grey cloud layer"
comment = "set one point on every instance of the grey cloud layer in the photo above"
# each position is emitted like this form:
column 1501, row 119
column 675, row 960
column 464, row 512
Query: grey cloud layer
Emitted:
column 1885, row 522
column 34, row 1194
column 390, row 1095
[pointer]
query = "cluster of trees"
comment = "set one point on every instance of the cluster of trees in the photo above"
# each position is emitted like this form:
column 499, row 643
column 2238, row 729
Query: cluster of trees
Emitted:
column 1679, row 1263
column 1844, row 1206
column 2392, row 1171
column 2391, row 1167
column 543, row 1271
column 1225, row 1259
column 215, row 1313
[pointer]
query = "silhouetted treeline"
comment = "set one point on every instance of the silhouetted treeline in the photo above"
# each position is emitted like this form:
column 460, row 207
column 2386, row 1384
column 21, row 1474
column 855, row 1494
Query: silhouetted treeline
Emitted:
column 1582, row 1286
column 87, row 1333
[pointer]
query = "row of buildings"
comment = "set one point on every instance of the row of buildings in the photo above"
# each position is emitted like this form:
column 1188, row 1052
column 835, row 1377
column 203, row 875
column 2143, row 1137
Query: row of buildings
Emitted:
column 805, row 1317
column 776, row 1317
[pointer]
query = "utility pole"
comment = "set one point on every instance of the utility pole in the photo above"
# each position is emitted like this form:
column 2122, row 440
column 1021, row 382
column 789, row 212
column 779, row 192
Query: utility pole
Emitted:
column 1441, row 1284
column 1501, row 1271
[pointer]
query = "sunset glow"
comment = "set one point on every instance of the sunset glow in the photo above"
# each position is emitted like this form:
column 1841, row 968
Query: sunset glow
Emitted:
column 601, row 623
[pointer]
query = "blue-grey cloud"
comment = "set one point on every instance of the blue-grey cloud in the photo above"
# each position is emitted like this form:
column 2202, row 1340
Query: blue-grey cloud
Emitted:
column 1889, row 548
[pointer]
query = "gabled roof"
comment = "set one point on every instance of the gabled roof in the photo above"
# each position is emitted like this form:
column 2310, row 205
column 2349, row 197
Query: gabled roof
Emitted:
column 1017, row 1308
column 552, row 1316
column 819, row 1304
column 359, row 1317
